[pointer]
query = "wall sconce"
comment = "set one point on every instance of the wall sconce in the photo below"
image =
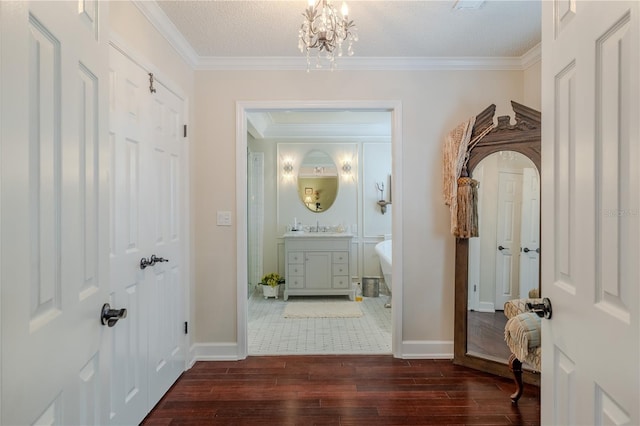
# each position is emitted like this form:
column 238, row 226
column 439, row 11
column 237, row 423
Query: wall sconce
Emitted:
column 346, row 167
column 287, row 168
column 382, row 202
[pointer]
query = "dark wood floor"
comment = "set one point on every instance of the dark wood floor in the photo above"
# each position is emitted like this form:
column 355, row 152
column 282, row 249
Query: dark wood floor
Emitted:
column 341, row 390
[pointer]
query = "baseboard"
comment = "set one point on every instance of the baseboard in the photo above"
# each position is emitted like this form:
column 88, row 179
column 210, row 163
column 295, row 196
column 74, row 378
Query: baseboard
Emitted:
column 427, row 349
column 213, row 352
column 411, row 349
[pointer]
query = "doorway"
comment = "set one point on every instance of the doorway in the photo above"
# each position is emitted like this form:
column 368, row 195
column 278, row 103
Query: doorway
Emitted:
column 242, row 111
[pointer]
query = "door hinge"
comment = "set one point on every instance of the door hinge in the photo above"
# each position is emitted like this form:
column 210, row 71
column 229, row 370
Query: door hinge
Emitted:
column 185, row 130
column 475, row 288
column 186, row 327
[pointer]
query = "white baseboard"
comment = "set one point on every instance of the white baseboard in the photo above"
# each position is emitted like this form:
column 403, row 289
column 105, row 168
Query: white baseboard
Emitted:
column 213, row 352
column 411, row 349
column 427, row 349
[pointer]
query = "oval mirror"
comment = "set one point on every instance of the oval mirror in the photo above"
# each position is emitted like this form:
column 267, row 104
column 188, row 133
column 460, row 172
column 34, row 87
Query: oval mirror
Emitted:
column 317, row 181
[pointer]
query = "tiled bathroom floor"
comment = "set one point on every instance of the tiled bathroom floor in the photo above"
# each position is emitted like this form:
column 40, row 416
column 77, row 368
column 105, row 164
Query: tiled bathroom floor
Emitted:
column 272, row 334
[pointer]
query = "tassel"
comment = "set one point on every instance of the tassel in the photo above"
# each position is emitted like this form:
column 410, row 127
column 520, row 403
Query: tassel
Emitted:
column 467, row 205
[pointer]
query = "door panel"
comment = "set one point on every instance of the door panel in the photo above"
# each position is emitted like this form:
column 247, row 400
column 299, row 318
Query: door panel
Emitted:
column 166, row 343
column 508, row 236
column 591, row 194
column 54, row 216
column 530, row 233
column 130, row 388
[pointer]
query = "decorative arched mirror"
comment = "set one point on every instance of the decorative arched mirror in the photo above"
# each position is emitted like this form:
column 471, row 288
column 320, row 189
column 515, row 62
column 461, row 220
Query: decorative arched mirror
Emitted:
column 503, row 262
column 317, row 181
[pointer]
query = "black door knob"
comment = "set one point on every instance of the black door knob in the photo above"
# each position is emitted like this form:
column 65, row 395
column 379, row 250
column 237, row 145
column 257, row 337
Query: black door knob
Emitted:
column 501, row 248
column 110, row 316
column 155, row 259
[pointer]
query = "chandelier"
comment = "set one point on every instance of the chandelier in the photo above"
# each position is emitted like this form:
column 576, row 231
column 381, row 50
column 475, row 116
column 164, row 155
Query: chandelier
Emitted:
column 325, row 29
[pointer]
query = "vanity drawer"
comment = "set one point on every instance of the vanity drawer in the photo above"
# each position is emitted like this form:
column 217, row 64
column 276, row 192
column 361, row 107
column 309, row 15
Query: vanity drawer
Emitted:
column 341, row 281
column 340, row 257
column 295, row 282
column 340, row 269
column 295, row 270
column 296, row 257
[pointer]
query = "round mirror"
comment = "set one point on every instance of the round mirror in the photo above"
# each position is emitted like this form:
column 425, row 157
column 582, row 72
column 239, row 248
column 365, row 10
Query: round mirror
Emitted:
column 317, row 181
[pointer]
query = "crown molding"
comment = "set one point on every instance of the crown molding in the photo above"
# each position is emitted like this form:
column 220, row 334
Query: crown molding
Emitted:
column 533, row 56
column 168, row 30
column 361, row 63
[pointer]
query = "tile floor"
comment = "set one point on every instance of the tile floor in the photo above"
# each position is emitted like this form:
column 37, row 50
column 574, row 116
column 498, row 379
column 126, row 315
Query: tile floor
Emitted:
column 272, row 334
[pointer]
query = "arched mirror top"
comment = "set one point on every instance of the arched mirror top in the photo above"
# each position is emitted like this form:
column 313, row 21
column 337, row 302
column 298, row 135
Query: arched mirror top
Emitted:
column 317, row 181
column 522, row 137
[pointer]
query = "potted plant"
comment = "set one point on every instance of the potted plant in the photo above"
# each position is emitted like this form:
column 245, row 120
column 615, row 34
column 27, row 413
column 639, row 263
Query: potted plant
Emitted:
column 270, row 284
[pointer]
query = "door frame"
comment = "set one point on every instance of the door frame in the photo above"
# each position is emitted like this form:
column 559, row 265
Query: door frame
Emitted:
column 242, row 109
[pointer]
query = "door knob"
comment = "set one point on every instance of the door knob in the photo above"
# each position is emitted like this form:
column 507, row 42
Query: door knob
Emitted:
column 543, row 310
column 501, row 248
column 155, row 259
column 110, row 316
column 145, row 262
column 526, row 250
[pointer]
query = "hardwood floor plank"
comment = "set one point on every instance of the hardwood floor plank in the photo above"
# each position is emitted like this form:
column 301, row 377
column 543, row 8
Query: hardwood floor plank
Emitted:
column 341, row 390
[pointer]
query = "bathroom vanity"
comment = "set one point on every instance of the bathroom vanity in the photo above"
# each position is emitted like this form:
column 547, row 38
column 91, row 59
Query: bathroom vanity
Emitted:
column 317, row 264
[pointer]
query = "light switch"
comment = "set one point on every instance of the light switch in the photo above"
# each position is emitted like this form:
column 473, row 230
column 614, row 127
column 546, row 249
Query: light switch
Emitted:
column 224, row 218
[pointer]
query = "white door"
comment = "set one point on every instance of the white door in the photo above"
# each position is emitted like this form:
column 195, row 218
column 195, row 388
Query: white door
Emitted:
column 530, row 232
column 165, row 216
column 590, row 212
column 127, row 118
column 54, row 217
column 148, row 219
column 508, row 236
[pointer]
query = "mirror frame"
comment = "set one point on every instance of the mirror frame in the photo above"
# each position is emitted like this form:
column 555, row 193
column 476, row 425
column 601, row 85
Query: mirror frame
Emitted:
column 523, row 137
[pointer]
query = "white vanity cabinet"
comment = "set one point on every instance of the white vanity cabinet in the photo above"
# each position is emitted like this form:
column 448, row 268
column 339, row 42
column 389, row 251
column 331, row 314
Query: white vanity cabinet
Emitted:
column 317, row 265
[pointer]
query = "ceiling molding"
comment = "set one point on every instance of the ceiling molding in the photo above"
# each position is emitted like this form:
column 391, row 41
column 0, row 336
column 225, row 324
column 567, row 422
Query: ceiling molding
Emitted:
column 168, row 30
column 362, row 64
column 533, row 56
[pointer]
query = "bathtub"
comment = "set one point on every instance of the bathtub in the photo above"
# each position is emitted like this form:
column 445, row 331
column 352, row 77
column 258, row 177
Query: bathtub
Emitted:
column 383, row 250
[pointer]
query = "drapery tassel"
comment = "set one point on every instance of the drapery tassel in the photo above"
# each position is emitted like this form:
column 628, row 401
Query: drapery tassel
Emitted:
column 467, row 226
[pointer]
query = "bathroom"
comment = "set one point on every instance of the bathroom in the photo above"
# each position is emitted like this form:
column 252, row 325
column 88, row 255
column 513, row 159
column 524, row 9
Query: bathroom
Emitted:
column 355, row 146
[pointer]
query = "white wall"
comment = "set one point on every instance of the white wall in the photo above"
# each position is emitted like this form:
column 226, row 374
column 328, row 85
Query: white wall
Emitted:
column 433, row 102
column 532, row 93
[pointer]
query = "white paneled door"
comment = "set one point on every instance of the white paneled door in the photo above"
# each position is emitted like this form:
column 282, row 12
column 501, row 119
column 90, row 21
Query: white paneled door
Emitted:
column 530, row 232
column 591, row 212
column 54, row 213
column 508, row 236
column 147, row 220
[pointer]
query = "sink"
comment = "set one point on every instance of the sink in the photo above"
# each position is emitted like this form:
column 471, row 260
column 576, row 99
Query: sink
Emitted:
column 317, row 234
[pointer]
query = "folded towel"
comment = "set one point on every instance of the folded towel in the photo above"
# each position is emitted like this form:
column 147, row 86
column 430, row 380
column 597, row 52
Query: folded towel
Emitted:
column 522, row 334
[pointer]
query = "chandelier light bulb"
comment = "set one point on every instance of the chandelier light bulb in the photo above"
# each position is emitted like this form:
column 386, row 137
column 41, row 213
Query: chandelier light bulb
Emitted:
column 345, row 10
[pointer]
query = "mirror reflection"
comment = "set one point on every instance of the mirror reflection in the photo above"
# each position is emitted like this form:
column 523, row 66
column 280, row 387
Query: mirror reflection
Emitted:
column 504, row 259
column 317, row 181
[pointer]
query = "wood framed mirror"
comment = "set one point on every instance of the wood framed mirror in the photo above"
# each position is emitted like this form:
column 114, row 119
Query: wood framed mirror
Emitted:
column 524, row 138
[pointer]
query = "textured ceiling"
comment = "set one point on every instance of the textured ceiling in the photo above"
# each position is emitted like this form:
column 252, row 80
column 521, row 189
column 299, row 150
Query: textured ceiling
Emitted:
column 263, row 28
